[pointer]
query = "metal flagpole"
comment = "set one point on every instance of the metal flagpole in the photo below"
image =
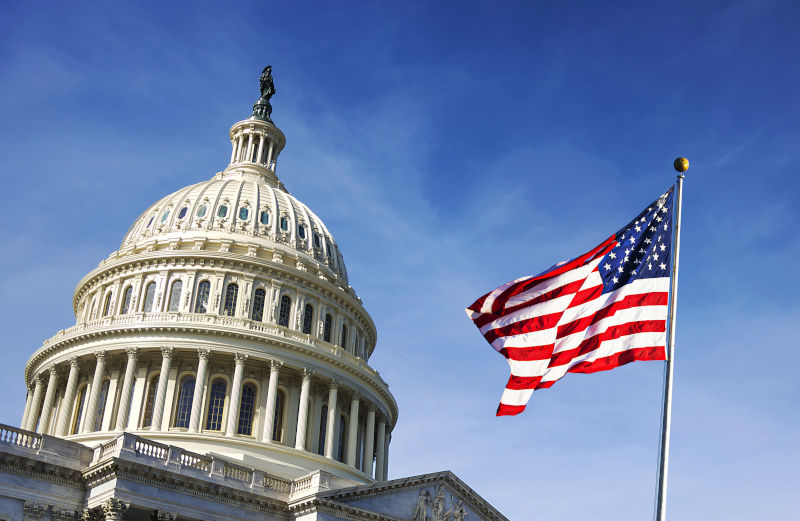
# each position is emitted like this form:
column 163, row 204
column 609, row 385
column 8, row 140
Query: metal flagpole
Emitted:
column 681, row 165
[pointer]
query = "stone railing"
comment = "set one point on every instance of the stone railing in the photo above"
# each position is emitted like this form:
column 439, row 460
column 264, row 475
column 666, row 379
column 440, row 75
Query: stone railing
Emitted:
column 195, row 461
column 20, row 438
column 151, row 448
column 281, row 485
column 229, row 470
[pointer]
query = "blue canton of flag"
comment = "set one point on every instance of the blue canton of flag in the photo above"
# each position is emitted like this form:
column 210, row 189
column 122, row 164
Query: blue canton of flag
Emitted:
column 643, row 247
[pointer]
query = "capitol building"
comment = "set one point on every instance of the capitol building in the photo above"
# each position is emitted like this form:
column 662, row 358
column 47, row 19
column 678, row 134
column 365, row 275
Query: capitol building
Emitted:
column 218, row 370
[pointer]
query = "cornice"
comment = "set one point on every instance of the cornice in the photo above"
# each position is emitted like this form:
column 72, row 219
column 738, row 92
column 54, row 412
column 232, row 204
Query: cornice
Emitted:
column 316, row 504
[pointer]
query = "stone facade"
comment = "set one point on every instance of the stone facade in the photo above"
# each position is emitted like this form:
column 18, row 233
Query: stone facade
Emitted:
column 218, row 368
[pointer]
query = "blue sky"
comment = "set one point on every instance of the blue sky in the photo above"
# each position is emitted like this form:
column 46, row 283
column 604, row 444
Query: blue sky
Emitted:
column 451, row 147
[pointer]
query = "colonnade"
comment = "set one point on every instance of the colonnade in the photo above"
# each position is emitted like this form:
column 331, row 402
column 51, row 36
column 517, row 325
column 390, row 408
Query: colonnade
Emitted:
column 247, row 149
column 148, row 389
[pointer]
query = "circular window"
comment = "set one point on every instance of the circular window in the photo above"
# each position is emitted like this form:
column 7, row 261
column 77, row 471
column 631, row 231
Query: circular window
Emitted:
column 243, row 213
column 264, row 218
column 182, row 213
column 201, row 212
column 301, row 231
column 164, row 217
column 223, row 211
column 284, row 223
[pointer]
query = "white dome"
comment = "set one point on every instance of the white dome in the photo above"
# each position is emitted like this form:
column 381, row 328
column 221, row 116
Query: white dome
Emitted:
column 240, row 207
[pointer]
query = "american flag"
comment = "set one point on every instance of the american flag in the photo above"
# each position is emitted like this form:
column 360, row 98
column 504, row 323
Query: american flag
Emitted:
column 598, row 311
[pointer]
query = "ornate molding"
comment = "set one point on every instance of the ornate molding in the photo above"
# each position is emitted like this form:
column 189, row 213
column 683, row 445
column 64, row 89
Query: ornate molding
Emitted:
column 32, row 511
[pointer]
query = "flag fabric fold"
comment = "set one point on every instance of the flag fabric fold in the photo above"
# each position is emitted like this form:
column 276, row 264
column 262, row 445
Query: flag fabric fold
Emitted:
column 598, row 311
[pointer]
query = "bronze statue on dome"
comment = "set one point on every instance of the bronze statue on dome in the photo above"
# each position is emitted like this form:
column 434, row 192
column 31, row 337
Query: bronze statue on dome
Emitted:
column 262, row 108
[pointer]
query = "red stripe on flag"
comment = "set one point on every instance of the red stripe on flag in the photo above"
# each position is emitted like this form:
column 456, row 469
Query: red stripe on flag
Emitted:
column 526, row 354
column 592, row 343
column 621, row 358
column 566, row 289
column 523, row 326
column 517, row 383
column 585, row 295
column 630, row 301
column 509, row 410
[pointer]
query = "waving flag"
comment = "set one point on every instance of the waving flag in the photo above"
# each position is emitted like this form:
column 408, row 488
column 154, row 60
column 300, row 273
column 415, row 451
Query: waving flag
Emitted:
column 603, row 309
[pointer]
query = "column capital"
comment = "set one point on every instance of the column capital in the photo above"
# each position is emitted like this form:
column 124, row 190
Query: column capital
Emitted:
column 371, row 407
column 115, row 509
column 162, row 515
column 275, row 364
column 133, row 352
column 334, row 384
column 203, row 353
column 356, row 397
column 53, row 370
column 73, row 362
column 239, row 358
column 101, row 356
column 37, row 378
column 166, row 351
column 307, row 374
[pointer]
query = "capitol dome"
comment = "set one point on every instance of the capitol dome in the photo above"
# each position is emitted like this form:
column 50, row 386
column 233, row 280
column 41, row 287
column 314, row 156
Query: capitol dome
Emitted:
column 224, row 325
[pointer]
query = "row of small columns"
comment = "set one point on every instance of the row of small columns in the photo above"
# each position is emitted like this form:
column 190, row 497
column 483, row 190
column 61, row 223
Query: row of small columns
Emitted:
column 40, row 401
column 244, row 152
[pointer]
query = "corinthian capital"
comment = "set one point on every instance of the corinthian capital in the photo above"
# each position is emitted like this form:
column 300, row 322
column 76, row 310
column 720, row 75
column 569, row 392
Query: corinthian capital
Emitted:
column 166, row 351
column 115, row 510
column 133, row 352
column 239, row 358
column 203, row 354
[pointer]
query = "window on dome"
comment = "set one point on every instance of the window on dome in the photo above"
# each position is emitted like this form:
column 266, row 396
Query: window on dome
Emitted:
column 78, row 414
column 343, row 337
column 230, row 299
column 308, row 314
column 301, row 231
column 150, row 222
column 150, row 400
column 175, row 296
column 216, row 405
column 183, row 410
column 247, row 406
column 323, row 427
column 182, row 213
column 328, row 251
column 283, row 316
column 201, row 212
column 258, row 305
column 264, row 218
column 222, row 212
column 243, row 213
column 101, row 407
column 284, row 223
column 164, row 216
column 126, row 300
column 342, row 437
column 107, row 305
column 149, row 297
column 326, row 331
column 317, row 240
column 201, row 304
column 277, row 420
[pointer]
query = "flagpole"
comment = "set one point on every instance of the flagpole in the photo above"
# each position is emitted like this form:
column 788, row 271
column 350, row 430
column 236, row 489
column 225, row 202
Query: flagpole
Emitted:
column 681, row 165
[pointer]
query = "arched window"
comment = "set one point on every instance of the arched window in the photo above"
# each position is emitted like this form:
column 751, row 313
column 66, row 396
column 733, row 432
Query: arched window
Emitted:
column 277, row 423
column 126, row 300
column 247, row 406
column 77, row 416
column 230, row 299
column 326, row 332
column 149, row 401
column 216, row 405
column 258, row 304
column 343, row 338
column 175, row 296
column 283, row 316
column 107, row 305
column 201, row 303
column 183, row 409
column 323, row 428
column 342, row 437
column 308, row 314
column 101, row 405
column 94, row 305
column 149, row 297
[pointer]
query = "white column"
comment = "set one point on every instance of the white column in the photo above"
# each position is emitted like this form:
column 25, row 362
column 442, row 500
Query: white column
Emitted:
column 352, row 435
column 127, row 389
column 386, row 456
column 33, row 415
column 139, row 390
column 272, row 393
column 161, row 392
column 369, row 442
column 94, row 396
column 333, row 413
column 269, row 154
column 236, row 392
column 235, row 146
column 67, row 404
column 49, row 397
column 380, row 451
column 28, row 401
column 239, row 147
column 249, row 151
column 302, row 414
column 199, row 389
column 260, row 148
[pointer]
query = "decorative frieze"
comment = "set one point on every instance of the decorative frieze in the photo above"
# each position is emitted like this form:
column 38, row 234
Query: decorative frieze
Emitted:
column 33, row 511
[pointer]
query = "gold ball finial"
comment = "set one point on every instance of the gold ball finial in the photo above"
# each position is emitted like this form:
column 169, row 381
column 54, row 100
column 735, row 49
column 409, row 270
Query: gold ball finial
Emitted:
column 681, row 164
